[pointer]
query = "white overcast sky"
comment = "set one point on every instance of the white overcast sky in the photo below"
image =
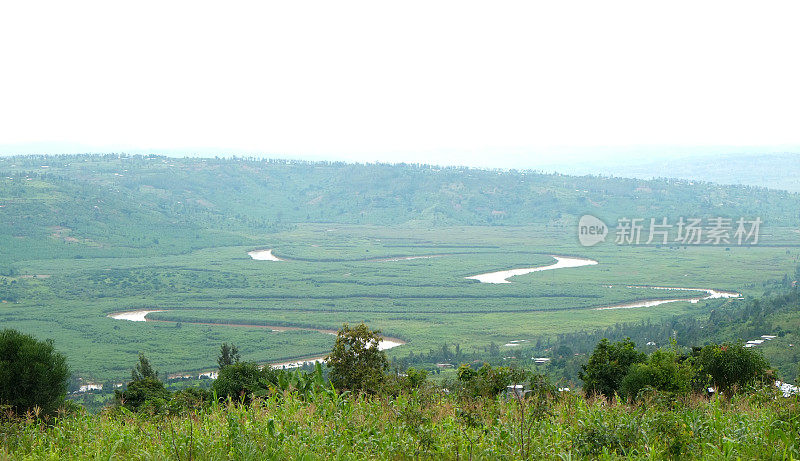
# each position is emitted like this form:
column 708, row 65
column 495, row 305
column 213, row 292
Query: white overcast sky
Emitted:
column 488, row 84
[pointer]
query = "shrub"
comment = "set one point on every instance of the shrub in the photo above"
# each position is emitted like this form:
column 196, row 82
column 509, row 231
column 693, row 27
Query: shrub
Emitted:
column 413, row 379
column 191, row 398
column 240, row 381
column 144, row 390
column 664, row 371
column 486, row 381
column 606, row 432
column 416, row 378
column 148, row 392
column 608, row 366
column 32, row 374
column 676, row 435
column 732, row 366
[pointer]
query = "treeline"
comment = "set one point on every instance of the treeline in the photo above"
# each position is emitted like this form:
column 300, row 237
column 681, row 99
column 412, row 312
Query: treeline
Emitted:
column 726, row 322
column 34, row 375
column 635, row 405
column 566, row 353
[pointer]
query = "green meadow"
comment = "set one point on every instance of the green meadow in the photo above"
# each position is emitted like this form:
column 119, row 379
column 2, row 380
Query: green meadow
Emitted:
column 335, row 274
column 90, row 236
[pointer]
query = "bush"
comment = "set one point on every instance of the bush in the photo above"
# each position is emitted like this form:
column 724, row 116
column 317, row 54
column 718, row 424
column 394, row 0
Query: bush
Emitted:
column 606, row 433
column 32, row 374
column 146, row 392
column 191, row 398
column 608, row 366
column 416, row 378
column 486, row 381
column 664, row 371
column 412, row 379
column 240, row 381
column 732, row 366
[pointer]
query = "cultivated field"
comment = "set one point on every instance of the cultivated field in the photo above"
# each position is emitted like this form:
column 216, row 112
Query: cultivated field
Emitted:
column 332, row 274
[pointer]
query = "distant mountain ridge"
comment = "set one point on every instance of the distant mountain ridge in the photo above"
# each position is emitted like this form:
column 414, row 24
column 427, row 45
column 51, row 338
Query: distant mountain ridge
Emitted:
column 774, row 170
column 107, row 200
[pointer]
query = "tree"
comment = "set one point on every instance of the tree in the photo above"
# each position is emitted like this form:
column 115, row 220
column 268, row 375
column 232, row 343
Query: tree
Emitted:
column 144, row 387
column 416, row 378
column 664, row 371
column 356, row 362
column 228, row 355
column 732, row 366
column 242, row 380
column 487, row 381
column 143, row 370
column 608, row 366
column 143, row 391
column 32, row 373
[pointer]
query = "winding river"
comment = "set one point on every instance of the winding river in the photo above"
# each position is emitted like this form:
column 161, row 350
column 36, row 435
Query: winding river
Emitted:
column 264, row 255
column 133, row 316
column 141, row 316
column 712, row 294
column 562, row 262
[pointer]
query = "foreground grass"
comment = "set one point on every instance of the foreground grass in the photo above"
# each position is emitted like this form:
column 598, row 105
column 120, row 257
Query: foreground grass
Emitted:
column 423, row 426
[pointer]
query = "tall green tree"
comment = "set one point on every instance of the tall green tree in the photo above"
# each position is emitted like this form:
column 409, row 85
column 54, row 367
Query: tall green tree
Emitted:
column 228, row 355
column 143, row 370
column 144, row 388
column 356, row 362
column 32, row 373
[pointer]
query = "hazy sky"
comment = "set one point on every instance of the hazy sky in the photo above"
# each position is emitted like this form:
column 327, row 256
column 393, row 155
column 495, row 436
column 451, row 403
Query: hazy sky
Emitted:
column 487, row 83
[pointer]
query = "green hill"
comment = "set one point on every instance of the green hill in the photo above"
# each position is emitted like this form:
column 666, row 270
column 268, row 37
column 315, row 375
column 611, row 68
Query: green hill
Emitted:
column 82, row 237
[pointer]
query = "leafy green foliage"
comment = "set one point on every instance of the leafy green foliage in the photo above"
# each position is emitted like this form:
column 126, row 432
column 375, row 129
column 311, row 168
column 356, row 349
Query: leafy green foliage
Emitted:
column 228, row 355
column 608, row 366
column 733, row 367
column 33, row 375
column 486, row 381
column 240, row 381
column 332, row 425
column 416, row 378
column 356, row 362
column 665, row 371
column 189, row 399
column 143, row 370
column 145, row 393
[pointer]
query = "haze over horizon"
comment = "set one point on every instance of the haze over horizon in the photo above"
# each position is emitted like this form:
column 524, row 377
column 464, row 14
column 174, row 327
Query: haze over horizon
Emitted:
column 564, row 159
column 517, row 85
